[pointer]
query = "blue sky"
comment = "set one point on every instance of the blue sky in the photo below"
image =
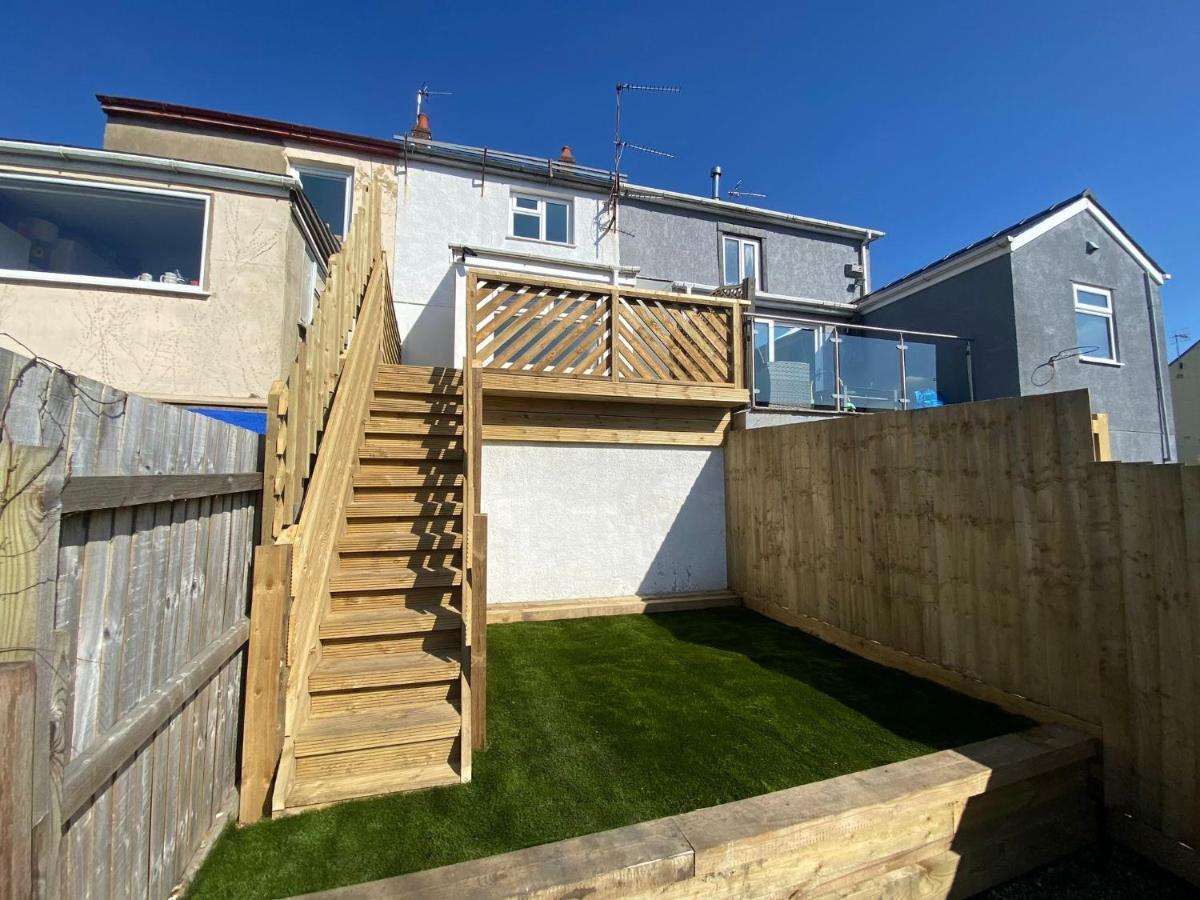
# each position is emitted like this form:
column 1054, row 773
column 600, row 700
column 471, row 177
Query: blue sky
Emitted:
column 936, row 122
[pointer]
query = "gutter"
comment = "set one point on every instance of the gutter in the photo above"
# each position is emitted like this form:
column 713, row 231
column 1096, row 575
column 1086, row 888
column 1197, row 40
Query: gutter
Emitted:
column 60, row 153
column 673, row 198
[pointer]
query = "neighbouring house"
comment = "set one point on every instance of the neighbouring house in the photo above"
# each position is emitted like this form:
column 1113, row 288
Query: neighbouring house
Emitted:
column 181, row 280
column 1184, row 374
column 1063, row 299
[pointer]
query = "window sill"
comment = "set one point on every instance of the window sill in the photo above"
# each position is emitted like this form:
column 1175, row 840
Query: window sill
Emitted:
column 90, row 281
column 1096, row 361
column 529, row 240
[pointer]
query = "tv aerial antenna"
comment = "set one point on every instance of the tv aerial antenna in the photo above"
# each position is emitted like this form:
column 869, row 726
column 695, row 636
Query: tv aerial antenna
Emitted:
column 1177, row 337
column 736, row 191
column 620, row 145
column 424, row 93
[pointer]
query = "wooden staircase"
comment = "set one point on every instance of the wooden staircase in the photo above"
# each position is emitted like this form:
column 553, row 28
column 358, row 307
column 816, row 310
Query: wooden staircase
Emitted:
column 383, row 710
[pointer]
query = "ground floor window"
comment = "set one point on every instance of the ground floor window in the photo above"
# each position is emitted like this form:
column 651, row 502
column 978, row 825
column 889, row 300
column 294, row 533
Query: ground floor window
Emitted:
column 77, row 230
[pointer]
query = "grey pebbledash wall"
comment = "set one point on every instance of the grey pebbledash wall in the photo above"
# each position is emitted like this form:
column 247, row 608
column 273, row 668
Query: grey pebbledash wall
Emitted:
column 574, row 521
column 1043, row 272
column 684, row 245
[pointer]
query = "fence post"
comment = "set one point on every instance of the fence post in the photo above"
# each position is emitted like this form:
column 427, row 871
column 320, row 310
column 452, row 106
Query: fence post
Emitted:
column 17, row 687
column 30, row 504
column 262, row 725
column 479, row 631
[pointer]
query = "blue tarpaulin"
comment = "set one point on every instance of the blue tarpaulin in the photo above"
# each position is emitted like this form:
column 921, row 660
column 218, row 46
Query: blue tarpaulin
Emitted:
column 242, row 418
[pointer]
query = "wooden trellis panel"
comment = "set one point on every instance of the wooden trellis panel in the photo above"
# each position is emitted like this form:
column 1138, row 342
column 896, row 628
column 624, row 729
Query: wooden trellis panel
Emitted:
column 544, row 326
column 538, row 328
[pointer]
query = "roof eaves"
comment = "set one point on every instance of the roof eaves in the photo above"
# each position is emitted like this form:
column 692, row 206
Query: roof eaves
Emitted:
column 247, row 125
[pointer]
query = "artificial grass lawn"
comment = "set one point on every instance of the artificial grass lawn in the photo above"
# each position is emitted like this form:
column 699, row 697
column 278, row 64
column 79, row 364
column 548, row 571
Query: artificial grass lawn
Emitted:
column 603, row 722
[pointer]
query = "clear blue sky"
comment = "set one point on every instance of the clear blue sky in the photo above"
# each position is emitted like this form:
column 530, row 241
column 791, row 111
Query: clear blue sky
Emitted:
column 936, row 122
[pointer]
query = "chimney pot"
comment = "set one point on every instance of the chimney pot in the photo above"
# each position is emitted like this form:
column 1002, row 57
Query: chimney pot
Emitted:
column 421, row 129
column 566, row 156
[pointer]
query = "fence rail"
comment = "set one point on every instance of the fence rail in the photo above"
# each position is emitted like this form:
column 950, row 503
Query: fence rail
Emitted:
column 127, row 526
column 298, row 406
column 982, row 546
column 547, row 326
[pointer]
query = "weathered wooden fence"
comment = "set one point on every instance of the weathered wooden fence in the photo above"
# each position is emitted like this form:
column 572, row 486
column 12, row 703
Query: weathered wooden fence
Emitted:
column 981, row 546
column 126, row 528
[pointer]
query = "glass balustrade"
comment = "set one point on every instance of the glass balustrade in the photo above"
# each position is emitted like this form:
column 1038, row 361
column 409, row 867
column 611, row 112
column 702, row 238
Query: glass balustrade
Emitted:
column 803, row 364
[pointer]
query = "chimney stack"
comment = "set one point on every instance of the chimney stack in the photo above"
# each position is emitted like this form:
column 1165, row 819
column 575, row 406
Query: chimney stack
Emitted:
column 421, row 130
column 715, row 174
column 566, row 156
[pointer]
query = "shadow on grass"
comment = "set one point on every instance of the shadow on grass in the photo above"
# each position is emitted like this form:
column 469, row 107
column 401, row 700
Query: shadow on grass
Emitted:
column 907, row 706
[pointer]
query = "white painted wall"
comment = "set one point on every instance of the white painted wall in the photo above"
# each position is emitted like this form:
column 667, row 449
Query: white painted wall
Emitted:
column 439, row 206
column 569, row 521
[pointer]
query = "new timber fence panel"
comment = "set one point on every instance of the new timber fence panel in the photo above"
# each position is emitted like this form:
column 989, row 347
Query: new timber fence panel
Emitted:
column 982, row 546
column 132, row 605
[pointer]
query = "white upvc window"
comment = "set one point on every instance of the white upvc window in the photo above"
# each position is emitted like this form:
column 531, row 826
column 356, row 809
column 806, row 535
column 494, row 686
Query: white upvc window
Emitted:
column 331, row 192
column 99, row 233
column 540, row 218
column 741, row 257
column 1094, row 323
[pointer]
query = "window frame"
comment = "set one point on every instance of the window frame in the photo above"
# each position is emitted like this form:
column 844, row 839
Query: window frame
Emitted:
column 102, row 280
column 1106, row 313
column 540, row 213
column 742, row 240
column 330, row 171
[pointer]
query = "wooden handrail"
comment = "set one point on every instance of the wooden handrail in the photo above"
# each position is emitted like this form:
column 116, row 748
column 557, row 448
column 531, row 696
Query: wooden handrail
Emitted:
column 602, row 287
column 324, row 510
column 298, row 406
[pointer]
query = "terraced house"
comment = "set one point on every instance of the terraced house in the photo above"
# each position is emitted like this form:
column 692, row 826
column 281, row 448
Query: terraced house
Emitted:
column 538, row 342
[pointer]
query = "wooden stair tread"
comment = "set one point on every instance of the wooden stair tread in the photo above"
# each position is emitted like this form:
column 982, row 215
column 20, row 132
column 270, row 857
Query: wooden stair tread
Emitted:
column 391, row 539
column 397, row 508
column 400, row 479
column 389, row 621
column 411, row 425
column 425, row 406
column 381, row 671
column 362, row 731
column 423, row 371
column 416, row 450
column 393, row 576
column 320, row 791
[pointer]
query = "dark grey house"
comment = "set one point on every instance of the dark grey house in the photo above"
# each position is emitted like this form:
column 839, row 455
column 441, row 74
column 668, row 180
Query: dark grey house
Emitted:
column 1064, row 299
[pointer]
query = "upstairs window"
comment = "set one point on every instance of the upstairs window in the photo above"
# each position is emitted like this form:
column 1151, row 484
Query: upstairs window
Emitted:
column 329, row 191
column 1094, row 323
column 54, row 229
column 540, row 218
column 741, row 258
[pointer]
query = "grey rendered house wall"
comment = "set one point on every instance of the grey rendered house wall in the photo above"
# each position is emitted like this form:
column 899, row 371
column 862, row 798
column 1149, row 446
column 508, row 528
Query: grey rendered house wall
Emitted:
column 1043, row 272
column 676, row 244
column 975, row 304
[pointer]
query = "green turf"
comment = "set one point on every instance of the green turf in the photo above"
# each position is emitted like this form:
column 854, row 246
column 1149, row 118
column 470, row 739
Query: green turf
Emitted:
column 599, row 723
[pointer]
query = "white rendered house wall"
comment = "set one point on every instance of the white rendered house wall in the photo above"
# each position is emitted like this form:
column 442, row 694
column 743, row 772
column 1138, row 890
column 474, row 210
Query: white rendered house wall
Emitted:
column 571, row 521
column 439, row 207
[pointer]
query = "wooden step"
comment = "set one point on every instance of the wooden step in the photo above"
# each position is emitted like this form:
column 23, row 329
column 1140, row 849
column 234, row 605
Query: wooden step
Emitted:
column 419, row 405
column 412, row 560
column 435, row 642
column 430, row 449
column 378, row 759
column 362, row 731
column 391, row 540
column 380, row 699
column 411, row 425
column 387, row 598
column 382, row 671
column 318, row 790
column 393, row 577
column 439, row 372
column 382, row 474
column 408, row 494
column 393, row 508
column 410, row 382
column 391, row 620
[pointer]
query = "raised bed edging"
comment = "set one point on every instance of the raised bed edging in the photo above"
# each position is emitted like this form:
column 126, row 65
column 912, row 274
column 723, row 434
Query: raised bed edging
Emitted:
column 948, row 824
